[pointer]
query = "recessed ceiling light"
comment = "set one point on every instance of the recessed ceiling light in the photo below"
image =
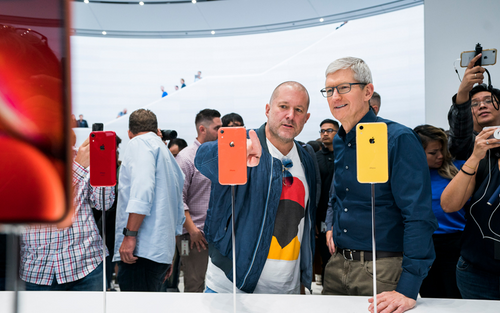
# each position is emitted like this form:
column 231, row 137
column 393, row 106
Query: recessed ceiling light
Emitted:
column 321, row 20
column 141, row 3
column 213, row 32
column 104, row 32
column 193, row 1
column 86, row 1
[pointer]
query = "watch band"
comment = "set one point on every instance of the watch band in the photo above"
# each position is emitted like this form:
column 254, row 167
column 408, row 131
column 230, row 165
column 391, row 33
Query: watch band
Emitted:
column 131, row 233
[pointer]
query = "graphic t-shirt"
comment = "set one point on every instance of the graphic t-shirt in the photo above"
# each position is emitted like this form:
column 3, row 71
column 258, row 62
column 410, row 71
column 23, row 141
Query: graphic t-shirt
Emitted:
column 281, row 273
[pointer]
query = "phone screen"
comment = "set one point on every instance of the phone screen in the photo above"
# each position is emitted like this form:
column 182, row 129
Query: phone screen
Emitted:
column 34, row 111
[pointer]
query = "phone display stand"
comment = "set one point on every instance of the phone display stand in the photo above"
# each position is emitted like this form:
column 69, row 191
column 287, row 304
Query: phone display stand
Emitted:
column 103, row 235
column 232, row 180
column 381, row 177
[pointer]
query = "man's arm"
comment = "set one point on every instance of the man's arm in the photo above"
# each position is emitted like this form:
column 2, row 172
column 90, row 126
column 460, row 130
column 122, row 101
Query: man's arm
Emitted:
column 196, row 235
column 206, row 160
column 142, row 192
column 329, row 219
column 413, row 197
column 129, row 242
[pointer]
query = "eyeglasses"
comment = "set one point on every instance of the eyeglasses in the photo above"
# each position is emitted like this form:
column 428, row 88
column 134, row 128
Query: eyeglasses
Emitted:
column 329, row 130
column 476, row 103
column 341, row 89
column 287, row 176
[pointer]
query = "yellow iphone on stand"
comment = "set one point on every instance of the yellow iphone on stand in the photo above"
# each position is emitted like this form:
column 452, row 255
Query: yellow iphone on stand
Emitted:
column 372, row 153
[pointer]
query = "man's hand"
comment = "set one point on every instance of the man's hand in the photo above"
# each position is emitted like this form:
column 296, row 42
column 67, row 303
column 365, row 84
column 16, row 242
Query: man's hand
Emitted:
column 473, row 74
column 254, row 149
column 127, row 249
column 392, row 301
column 329, row 241
column 83, row 154
column 169, row 273
column 198, row 240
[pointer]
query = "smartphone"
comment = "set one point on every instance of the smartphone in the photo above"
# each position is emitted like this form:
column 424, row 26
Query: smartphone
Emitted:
column 35, row 141
column 102, row 158
column 232, row 146
column 489, row 57
column 372, row 153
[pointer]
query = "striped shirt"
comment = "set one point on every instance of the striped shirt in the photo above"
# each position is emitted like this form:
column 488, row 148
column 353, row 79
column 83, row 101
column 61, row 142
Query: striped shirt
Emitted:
column 71, row 253
column 196, row 191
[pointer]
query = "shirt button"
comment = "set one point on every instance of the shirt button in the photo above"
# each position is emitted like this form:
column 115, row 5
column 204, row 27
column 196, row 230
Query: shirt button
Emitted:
column 347, row 189
column 346, row 167
column 345, row 210
column 349, row 144
column 345, row 230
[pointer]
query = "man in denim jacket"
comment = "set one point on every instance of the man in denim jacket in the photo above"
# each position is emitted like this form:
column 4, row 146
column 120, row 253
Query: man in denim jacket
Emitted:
column 274, row 211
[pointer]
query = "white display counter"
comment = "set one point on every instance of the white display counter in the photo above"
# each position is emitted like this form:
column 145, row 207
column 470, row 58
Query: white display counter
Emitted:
column 135, row 302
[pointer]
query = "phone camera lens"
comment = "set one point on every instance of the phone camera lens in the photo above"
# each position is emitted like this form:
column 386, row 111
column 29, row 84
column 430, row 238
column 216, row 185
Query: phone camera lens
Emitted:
column 361, row 127
column 93, row 135
column 222, row 131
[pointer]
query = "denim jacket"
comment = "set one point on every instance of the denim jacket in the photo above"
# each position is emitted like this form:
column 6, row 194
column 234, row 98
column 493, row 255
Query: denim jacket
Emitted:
column 256, row 205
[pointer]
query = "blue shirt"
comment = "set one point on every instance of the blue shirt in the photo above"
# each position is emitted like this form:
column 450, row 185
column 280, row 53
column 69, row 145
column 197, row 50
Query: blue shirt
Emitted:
column 448, row 222
column 404, row 218
column 150, row 184
column 164, row 94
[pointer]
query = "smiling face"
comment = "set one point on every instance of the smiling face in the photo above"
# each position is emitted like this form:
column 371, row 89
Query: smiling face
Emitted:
column 484, row 114
column 434, row 153
column 286, row 116
column 350, row 107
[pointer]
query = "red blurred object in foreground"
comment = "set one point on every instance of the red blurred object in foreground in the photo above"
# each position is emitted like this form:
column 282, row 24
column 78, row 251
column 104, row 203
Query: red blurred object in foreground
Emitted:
column 30, row 188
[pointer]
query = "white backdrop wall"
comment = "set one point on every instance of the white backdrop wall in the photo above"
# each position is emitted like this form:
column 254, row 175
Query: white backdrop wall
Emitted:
column 241, row 72
column 453, row 26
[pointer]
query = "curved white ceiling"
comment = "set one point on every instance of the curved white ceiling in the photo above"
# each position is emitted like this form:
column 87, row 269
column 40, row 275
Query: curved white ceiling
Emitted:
column 181, row 18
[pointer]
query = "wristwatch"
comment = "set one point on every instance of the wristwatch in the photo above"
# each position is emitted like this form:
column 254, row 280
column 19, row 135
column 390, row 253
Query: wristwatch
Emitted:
column 130, row 233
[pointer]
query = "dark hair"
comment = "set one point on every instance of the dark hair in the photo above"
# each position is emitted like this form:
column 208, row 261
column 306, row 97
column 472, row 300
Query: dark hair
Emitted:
column 181, row 143
column 232, row 117
column 428, row 133
column 329, row 121
column 206, row 115
column 375, row 96
column 142, row 120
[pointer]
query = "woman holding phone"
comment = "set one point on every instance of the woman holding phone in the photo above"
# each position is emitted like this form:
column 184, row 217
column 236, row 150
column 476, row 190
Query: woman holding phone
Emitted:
column 478, row 269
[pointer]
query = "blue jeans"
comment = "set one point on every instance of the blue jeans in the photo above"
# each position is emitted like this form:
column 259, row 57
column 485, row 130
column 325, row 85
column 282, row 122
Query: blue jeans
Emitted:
column 91, row 282
column 475, row 283
column 143, row 275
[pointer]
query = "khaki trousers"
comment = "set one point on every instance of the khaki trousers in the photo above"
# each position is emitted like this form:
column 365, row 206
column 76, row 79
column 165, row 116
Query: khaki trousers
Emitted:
column 194, row 266
column 345, row 277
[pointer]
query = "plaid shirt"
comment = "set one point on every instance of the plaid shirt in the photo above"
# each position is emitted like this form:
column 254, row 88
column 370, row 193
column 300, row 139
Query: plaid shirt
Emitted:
column 71, row 253
column 462, row 135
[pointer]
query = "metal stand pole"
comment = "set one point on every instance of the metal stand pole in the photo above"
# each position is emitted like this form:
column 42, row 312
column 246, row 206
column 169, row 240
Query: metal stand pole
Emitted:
column 233, row 237
column 13, row 281
column 103, row 232
column 374, row 252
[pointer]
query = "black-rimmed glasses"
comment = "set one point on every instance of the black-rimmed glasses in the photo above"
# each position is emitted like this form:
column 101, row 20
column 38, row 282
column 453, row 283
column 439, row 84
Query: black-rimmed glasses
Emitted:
column 341, row 89
column 328, row 130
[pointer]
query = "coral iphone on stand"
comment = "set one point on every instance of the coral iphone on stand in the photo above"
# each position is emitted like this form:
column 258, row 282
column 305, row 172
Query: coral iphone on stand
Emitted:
column 232, row 155
column 102, row 158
